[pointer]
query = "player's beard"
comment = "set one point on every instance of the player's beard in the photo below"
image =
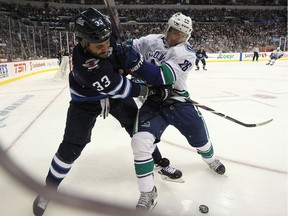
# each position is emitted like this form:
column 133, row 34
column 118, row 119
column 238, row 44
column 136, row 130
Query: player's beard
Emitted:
column 99, row 53
column 103, row 55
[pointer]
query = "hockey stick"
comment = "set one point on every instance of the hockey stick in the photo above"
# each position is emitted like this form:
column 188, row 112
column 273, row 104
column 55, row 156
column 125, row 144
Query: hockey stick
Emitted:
column 230, row 118
column 115, row 21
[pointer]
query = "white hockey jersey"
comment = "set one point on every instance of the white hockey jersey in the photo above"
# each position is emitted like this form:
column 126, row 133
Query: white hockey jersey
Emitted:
column 277, row 53
column 176, row 61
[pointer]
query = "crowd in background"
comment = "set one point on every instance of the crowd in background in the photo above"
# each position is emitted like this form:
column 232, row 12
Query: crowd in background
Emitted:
column 218, row 37
column 34, row 31
column 185, row 2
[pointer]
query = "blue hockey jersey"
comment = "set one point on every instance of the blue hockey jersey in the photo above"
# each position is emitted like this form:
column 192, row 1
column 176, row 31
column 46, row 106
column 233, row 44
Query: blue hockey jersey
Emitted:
column 94, row 79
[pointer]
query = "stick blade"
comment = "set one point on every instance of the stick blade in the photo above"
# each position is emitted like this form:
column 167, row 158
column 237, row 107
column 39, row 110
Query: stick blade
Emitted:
column 258, row 124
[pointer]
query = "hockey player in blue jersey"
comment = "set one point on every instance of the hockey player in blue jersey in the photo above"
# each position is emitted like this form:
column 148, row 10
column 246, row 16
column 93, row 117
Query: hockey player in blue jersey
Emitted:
column 174, row 55
column 97, row 89
column 276, row 54
column 201, row 56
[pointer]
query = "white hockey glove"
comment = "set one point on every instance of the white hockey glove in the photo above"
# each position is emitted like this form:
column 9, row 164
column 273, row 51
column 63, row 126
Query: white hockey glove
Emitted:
column 105, row 105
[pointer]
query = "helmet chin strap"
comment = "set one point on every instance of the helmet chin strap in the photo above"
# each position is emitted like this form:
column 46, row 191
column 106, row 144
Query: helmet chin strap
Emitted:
column 84, row 44
column 166, row 44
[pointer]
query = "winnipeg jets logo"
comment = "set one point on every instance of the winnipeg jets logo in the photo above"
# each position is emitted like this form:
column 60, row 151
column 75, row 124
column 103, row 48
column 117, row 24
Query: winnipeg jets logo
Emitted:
column 91, row 63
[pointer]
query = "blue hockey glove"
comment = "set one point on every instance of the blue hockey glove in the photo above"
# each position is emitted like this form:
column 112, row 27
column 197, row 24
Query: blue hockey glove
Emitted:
column 133, row 61
column 120, row 52
column 129, row 59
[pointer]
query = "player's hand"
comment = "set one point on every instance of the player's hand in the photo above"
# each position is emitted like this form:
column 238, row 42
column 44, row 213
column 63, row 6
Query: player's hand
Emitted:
column 130, row 60
column 133, row 61
column 159, row 94
column 120, row 52
column 129, row 42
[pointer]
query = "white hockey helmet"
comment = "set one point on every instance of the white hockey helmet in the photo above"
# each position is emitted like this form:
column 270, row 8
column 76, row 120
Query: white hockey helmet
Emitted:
column 182, row 23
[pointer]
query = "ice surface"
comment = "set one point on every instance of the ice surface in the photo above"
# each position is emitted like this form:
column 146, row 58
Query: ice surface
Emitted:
column 32, row 120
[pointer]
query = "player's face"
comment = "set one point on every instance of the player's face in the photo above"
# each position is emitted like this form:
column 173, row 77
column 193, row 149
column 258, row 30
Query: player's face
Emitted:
column 175, row 37
column 100, row 50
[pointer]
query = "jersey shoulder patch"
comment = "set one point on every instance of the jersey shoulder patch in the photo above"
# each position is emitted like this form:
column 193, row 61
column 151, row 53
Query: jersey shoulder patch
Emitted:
column 188, row 47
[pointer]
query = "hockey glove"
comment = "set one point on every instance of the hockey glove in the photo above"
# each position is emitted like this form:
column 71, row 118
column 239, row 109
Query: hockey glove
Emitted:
column 158, row 94
column 281, row 56
column 120, row 52
column 130, row 60
column 133, row 60
column 129, row 42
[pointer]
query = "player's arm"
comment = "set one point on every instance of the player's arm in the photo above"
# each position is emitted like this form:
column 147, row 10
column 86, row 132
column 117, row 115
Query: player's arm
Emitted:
column 152, row 74
column 113, row 86
column 280, row 55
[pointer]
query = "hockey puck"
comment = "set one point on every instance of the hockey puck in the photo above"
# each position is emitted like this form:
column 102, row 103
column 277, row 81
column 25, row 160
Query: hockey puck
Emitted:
column 203, row 209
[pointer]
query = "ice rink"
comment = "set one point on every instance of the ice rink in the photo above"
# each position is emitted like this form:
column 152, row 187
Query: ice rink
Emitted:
column 32, row 120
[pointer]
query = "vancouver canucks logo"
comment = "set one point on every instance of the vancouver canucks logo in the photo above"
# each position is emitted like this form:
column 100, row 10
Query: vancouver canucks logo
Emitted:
column 91, row 63
column 145, row 124
column 189, row 47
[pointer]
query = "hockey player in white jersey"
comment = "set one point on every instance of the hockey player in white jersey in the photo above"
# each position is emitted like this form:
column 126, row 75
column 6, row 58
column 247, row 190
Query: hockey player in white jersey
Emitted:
column 276, row 54
column 175, row 58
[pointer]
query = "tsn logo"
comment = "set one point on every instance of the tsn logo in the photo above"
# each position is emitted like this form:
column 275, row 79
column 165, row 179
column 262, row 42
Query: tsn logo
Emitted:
column 20, row 67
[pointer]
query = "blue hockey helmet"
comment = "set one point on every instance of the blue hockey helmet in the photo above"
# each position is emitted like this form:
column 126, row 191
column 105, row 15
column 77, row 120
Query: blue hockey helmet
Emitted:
column 92, row 26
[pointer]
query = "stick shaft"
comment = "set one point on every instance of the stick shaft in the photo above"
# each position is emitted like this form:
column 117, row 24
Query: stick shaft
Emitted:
column 230, row 118
column 115, row 20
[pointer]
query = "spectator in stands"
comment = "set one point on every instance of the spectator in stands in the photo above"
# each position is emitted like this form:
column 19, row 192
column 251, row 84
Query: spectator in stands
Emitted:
column 270, row 26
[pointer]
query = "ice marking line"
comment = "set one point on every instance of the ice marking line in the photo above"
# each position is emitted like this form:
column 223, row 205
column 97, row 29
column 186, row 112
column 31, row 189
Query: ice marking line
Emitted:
column 34, row 120
column 233, row 100
column 232, row 161
column 30, row 91
column 10, row 108
column 270, row 92
column 263, row 96
column 229, row 94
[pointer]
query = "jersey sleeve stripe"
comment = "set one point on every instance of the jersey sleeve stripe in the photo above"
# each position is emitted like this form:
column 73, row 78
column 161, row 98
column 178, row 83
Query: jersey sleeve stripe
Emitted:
column 168, row 74
column 118, row 87
column 126, row 91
